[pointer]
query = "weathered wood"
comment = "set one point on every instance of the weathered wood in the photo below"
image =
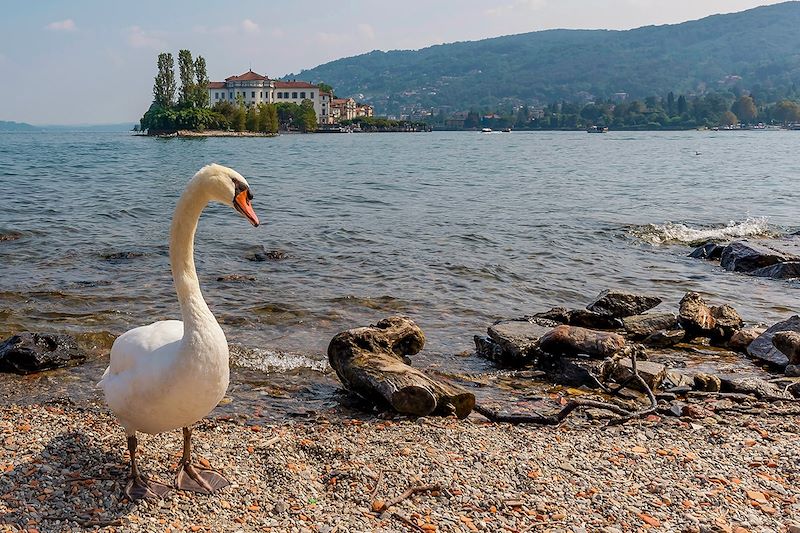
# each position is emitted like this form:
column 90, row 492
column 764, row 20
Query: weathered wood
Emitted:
column 373, row 362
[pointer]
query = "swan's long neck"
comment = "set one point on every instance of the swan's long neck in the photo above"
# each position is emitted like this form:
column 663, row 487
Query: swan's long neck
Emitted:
column 194, row 310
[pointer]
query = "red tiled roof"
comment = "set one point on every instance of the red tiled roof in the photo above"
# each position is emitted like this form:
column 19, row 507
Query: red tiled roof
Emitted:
column 216, row 85
column 248, row 76
column 340, row 101
column 294, row 85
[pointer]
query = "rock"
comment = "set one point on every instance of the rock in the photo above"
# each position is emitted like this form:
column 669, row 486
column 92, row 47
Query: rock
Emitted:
column 794, row 389
column 727, row 320
column 763, row 349
column 785, row 270
column 678, row 382
column 652, row 373
column 571, row 371
column 707, row 382
column 27, row 353
column 9, row 235
column 696, row 411
column 517, row 339
column 235, row 278
column 664, row 339
column 742, row 338
column 259, row 253
column 709, row 250
column 754, row 386
column 579, row 317
column 488, row 349
column 746, row 256
column 640, row 326
column 122, row 257
column 571, row 340
column 792, row 371
column 788, row 342
column 620, row 304
column 695, row 315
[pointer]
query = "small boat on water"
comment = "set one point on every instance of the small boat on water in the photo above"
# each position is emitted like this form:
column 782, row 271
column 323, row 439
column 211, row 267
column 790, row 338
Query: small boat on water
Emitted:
column 486, row 130
column 506, row 130
column 597, row 129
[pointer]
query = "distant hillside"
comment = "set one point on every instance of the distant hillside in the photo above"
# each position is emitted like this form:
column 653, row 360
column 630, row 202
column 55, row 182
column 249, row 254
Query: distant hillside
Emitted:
column 757, row 50
column 16, row 126
column 104, row 128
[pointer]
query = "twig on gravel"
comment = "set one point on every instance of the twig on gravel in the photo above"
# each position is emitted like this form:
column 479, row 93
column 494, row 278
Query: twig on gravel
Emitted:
column 407, row 494
column 406, row 521
column 558, row 417
column 377, row 486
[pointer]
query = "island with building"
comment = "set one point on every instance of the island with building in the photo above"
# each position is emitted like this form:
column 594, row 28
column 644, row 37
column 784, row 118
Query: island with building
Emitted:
column 251, row 104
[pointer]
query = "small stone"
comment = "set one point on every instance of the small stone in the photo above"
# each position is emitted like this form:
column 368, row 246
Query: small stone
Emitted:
column 740, row 340
column 620, row 304
column 792, row 371
column 707, row 382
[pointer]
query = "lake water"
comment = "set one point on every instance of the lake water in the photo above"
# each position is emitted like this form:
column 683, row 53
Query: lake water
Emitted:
column 454, row 229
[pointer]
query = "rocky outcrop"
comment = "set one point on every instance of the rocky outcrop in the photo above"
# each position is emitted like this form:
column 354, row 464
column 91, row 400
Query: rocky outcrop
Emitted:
column 573, row 340
column 746, row 256
column 620, row 304
column 641, row 326
column 27, row 353
column 763, row 349
column 710, row 251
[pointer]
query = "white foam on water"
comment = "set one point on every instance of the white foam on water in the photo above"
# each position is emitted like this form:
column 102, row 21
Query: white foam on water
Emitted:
column 675, row 232
column 275, row 361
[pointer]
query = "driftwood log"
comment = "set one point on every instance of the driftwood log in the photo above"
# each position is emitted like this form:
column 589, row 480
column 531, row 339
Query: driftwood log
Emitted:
column 373, row 362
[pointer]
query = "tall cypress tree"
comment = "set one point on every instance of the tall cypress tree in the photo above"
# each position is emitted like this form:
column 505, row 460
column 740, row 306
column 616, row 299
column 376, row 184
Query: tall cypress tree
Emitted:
column 186, row 70
column 164, row 86
column 201, row 87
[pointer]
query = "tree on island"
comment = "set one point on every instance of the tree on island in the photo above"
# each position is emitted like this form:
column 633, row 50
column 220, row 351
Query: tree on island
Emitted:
column 201, row 85
column 164, row 87
column 745, row 108
column 186, row 70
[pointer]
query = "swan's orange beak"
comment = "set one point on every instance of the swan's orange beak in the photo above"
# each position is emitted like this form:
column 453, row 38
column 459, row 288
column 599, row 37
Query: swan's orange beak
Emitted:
column 242, row 204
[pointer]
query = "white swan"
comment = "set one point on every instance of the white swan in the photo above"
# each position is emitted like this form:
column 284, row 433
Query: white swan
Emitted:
column 172, row 373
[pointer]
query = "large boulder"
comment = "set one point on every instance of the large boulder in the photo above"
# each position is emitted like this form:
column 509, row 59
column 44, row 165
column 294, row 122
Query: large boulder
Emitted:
column 785, row 270
column 620, row 304
column 27, row 353
column 695, row 315
column 763, row 349
column 641, row 326
column 740, row 340
column 728, row 322
column 573, row 340
column 746, row 256
column 788, row 342
column 511, row 342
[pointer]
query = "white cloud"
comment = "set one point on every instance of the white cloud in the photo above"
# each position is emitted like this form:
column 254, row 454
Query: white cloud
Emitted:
column 517, row 6
column 139, row 38
column 249, row 26
column 62, row 25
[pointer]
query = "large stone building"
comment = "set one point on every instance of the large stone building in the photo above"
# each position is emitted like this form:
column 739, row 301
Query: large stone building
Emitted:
column 255, row 89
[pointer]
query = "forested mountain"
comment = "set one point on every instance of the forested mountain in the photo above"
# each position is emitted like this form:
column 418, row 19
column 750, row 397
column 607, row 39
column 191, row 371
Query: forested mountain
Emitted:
column 756, row 51
column 15, row 126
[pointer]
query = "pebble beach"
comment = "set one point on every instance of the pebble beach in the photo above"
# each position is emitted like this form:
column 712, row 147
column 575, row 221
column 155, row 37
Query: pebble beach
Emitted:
column 64, row 465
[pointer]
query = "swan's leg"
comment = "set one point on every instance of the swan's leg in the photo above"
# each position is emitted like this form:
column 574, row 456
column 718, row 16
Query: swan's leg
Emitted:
column 196, row 478
column 138, row 486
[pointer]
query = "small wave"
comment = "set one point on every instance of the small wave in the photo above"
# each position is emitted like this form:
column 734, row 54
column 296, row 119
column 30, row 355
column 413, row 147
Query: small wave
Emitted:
column 672, row 232
column 274, row 361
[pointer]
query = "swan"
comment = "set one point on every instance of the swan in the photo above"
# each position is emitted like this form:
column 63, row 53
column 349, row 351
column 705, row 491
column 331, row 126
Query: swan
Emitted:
column 170, row 374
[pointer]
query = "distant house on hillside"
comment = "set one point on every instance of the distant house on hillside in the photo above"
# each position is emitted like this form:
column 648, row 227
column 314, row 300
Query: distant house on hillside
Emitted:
column 343, row 109
column 255, row 89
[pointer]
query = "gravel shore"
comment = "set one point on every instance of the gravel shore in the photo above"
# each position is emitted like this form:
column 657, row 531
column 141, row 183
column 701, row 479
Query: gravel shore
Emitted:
column 62, row 468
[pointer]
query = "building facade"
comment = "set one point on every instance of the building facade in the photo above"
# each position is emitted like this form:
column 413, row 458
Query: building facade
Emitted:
column 254, row 89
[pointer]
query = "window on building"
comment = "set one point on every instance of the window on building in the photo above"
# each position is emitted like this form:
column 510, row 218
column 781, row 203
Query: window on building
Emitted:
column 294, row 95
column 303, row 94
column 312, row 95
column 261, row 94
column 253, row 94
column 231, row 95
column 216, row 96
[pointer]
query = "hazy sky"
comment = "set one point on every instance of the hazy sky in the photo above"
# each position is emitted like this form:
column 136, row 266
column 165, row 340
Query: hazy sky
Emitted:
column 93, row 61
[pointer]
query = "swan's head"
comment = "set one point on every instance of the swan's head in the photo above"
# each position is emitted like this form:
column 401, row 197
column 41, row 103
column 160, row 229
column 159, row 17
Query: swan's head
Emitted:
column 228, row 187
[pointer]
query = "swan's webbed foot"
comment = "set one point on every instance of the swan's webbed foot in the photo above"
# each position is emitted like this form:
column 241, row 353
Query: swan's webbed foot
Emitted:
column 141, row 488
column 198, row 479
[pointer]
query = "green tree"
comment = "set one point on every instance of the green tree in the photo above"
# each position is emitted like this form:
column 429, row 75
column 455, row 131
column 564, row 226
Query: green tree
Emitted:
column 671, row 104
column 324, row 87
column 728, row 119
column 201, row 85
column 787, row 111
column 239, row 118
column 268, row 118
column 745, row 108
column 308, row 117
column 186, row 72
column 683, row 106
column 164, row 87
column 251, row 119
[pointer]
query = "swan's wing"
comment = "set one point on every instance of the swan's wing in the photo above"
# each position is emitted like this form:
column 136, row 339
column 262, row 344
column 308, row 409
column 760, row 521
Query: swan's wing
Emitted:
column 140, row 344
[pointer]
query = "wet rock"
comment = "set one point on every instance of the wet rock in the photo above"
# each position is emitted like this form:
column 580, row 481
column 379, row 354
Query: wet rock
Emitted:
column 259, row 253
column 664, row 339
column 740, row 340
column 746, row 256
column 788, row 342
column 488, row 349
column 27, row 353
column 792, row 371
column 695, row 315
column 570, row 340
column 677, row 382
column 755, row 387
column 620, row 304
column 579, row 317
column 707, row 382
column 652, row 373
column 235, row 278
column 709, row 250
column 122, row 257
column 641, row 326
column 763, row 349
column 517, row 339
column 9, row 235
column 785, row 270
column 727, row 320
column 571, row 371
